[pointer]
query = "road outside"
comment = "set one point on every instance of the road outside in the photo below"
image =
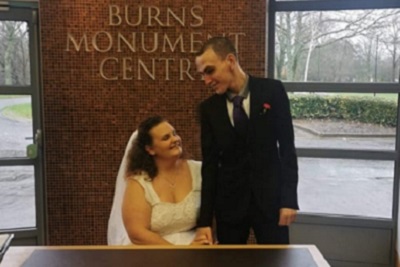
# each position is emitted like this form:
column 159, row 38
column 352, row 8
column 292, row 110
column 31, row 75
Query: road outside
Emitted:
column 334, row 186
column 341, row 186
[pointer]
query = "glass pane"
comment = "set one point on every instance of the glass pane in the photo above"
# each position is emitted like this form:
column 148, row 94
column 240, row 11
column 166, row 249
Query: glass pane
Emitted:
column 345, row 121
column 16, row 126
column 346, row 187
column 17, row 197
column 338, row 46
column 14, row 53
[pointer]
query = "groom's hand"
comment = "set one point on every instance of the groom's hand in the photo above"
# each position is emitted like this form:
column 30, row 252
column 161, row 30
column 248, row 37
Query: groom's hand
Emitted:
column 286, row 216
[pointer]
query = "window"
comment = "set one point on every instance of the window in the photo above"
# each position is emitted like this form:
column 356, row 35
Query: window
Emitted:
column 338, row 46
column 14, row 53
column 339, row 61
column 346, row 187
column 21, row 169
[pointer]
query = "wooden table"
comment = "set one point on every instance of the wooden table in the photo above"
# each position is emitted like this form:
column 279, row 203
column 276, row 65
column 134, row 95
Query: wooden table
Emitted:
column 152, row 256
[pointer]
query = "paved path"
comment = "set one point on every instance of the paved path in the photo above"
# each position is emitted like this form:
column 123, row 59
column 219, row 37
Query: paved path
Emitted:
column 14, row 133
column 341, row 186
column 17, row 190
column 306, row 139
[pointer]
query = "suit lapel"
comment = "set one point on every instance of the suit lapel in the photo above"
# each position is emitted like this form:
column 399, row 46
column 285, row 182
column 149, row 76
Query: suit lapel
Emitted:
column 222, row 113
column 256, row 98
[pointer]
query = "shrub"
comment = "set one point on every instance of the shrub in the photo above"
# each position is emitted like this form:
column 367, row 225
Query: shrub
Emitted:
column 351, row 108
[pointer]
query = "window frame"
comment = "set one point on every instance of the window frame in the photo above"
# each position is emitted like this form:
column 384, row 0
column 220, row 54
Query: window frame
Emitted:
column 27, row 10
column 275, row 6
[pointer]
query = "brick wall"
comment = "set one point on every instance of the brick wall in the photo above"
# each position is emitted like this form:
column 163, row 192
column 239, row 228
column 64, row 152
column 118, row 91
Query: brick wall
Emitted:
column 97, row 88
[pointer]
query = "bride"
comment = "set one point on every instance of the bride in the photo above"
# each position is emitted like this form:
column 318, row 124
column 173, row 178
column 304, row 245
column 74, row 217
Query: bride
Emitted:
column 157, row 196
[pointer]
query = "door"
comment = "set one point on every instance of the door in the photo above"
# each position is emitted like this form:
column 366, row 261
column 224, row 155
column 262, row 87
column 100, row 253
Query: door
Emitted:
column 21, row 157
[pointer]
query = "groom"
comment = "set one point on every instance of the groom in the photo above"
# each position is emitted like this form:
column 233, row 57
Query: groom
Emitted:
column 249, row 170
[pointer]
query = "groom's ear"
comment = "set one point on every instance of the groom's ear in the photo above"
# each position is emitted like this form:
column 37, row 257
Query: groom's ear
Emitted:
column 231, row 60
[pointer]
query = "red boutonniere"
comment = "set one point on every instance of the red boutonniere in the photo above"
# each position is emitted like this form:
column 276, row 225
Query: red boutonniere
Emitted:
column 266, row 107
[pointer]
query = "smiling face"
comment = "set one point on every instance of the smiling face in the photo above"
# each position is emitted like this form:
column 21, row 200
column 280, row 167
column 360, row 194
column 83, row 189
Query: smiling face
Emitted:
column 166, row 142
column 217, row 72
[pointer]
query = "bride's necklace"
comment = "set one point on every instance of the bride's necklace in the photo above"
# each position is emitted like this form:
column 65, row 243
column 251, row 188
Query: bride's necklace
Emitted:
column 174, row 174
column 171, row 184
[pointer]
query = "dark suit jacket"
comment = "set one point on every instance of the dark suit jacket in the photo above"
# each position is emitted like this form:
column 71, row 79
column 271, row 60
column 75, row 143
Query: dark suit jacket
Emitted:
column 264, row 165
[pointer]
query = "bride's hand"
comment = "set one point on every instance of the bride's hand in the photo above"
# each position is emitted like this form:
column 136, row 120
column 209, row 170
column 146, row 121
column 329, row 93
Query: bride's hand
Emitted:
column 201, row 238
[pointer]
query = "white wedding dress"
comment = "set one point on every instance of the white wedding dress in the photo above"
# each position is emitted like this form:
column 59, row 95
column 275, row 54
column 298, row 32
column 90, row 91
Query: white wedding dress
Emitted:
column 175, row 222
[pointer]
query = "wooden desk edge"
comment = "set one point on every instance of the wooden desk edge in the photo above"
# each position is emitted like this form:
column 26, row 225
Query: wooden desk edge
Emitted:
column 16, row 256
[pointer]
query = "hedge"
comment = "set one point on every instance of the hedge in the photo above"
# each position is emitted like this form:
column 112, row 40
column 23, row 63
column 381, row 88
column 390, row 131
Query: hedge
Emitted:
column 351, row 108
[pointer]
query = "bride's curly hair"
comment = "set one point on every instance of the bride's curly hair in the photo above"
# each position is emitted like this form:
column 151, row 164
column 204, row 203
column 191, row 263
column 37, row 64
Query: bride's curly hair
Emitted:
column 139, row 160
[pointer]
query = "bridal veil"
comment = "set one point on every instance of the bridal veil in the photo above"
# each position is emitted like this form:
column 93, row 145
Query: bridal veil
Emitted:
column 116, row 234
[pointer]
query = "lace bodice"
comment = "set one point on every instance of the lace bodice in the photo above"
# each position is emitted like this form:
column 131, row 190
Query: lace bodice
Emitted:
column 170, row 218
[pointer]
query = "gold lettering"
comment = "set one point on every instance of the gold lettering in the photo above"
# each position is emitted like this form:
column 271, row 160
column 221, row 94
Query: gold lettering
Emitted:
column 209, row 36
column 114, row 15
column 236, row 39
column 184, row 71
column 77, row 46
column 196, row 16
column 193, row 41
column 179, row 40
column 140, row 16
column 155, row 43
column 167, row 60
column 154, row 17
column 126, row 66
column 180, row 20
column 131, row 45
column 102, row 64
column 95, row 42
column 142, row 65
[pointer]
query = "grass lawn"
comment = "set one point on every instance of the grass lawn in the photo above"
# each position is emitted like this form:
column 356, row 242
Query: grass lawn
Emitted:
column 19, row 111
